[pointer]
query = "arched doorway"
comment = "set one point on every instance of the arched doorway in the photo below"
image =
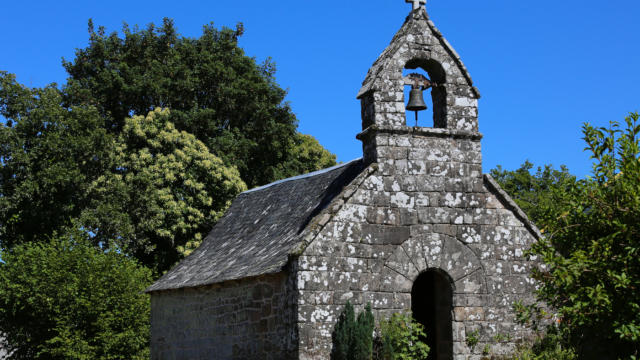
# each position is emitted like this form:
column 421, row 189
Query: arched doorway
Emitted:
column 432, row 304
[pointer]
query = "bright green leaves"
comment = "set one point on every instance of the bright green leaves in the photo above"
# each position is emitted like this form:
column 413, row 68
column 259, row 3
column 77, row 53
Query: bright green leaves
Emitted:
column 163, row 194
column 592, row 242
column 402, row 338
column 65, row 299
column 537, row 194
column 307, row 155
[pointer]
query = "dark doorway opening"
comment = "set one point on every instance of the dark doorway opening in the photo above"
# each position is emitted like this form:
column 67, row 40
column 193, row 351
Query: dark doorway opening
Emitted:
column 432, row 304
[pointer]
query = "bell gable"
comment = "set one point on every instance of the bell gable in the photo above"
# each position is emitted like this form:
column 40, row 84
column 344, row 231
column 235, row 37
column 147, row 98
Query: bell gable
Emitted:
column 419, row 45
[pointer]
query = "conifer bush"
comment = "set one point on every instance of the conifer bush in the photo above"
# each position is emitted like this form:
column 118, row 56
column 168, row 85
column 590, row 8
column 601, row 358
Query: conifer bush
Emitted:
column 400, row 337
column 353, row 337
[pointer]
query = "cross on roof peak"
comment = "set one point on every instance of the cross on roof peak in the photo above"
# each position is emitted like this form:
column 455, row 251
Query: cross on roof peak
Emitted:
column 417, row 3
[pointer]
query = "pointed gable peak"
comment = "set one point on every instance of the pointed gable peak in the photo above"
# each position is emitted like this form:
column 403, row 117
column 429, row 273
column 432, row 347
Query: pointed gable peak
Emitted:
column 419, row 44
column 418, row 38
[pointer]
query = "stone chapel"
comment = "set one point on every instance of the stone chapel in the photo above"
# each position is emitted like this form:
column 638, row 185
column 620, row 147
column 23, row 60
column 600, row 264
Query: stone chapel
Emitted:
column 412, row 225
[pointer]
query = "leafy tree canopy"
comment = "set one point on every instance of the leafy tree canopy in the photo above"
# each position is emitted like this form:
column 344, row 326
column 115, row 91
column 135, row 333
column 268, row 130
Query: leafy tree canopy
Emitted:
column 66, row 299
column 537, row 194
column 87, row 155
column 591, row 248
column 164, row 191
column 213, row 89
column 308, row 155
column 49, row 155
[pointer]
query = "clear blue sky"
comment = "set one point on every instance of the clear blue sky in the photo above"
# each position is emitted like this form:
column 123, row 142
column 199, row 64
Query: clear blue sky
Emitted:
column 543, row 67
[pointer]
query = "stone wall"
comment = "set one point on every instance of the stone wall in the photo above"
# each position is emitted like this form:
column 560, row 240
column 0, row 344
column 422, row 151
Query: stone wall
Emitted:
column 252, row 318
column 3, row 352
column 424, row 205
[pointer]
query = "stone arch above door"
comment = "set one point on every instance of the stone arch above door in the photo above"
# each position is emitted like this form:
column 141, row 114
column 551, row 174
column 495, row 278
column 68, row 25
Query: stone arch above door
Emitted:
column 434, row 251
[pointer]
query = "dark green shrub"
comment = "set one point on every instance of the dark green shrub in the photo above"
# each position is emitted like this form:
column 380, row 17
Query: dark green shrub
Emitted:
column 552, row 346
column 65, row 299
column 363, row 334
column 353, row 338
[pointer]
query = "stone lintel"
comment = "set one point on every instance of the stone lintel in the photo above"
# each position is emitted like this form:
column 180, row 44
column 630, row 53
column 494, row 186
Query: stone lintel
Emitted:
column 417, row 131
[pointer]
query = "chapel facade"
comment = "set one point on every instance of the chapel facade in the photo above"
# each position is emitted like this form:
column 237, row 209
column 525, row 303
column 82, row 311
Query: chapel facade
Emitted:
column 412, row 225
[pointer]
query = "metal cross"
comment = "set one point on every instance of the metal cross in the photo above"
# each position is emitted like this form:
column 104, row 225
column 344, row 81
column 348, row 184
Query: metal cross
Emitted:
column 417, row 4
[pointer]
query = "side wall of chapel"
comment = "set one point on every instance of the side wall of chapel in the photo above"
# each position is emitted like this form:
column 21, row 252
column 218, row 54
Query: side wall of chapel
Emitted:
column 252, row 318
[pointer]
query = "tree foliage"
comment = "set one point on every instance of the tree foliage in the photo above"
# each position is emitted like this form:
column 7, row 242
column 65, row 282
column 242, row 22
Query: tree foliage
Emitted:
column 164, row 191
column 552, row 345
column 593, row 252
column 537, row 194
column 402, row 338
column 591, row 249
column 213, row 89
column 49, row 155
column 308, row 155
column 66, row 299
column 84, row 155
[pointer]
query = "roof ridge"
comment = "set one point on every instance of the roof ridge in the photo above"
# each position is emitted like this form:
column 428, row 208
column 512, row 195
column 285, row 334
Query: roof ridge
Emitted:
column 303, row 176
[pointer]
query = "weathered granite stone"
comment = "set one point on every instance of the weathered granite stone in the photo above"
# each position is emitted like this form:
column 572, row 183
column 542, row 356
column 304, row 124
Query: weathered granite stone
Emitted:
column 3, row 352
column 252, row 318
column 274, row 274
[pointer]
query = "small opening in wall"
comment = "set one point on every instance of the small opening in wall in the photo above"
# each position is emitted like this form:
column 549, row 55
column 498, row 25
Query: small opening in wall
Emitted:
column 435, row 97
column 425, row 117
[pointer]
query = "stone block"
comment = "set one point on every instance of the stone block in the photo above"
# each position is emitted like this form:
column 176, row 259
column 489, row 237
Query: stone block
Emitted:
column 468, row 313
column 386, row 235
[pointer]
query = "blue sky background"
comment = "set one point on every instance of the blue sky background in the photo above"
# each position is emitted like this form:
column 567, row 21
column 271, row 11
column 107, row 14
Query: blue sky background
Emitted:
column 543, row 67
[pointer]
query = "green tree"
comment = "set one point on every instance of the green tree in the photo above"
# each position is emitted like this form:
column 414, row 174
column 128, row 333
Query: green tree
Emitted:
column 308, row 155
column 592, row 248
column 362, row 345
column 49, row 155
column 353, row 337
column 164, row 191
column 66, row 299
column 536, row 193
column 343, row 333
column 150, row 190
column 214, row 91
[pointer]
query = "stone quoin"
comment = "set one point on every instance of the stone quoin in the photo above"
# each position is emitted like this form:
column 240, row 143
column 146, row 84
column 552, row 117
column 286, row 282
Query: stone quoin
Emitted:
column 412, row 225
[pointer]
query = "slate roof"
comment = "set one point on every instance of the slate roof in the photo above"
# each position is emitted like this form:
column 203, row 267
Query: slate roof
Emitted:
column 260, row 229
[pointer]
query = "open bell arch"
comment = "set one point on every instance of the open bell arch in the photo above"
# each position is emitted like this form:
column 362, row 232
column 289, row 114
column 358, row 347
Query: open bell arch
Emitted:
column 438, row 79
column 419, row 44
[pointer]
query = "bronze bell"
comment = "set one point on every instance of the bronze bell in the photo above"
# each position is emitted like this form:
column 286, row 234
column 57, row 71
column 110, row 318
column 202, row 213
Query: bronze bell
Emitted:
column 416, row 101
